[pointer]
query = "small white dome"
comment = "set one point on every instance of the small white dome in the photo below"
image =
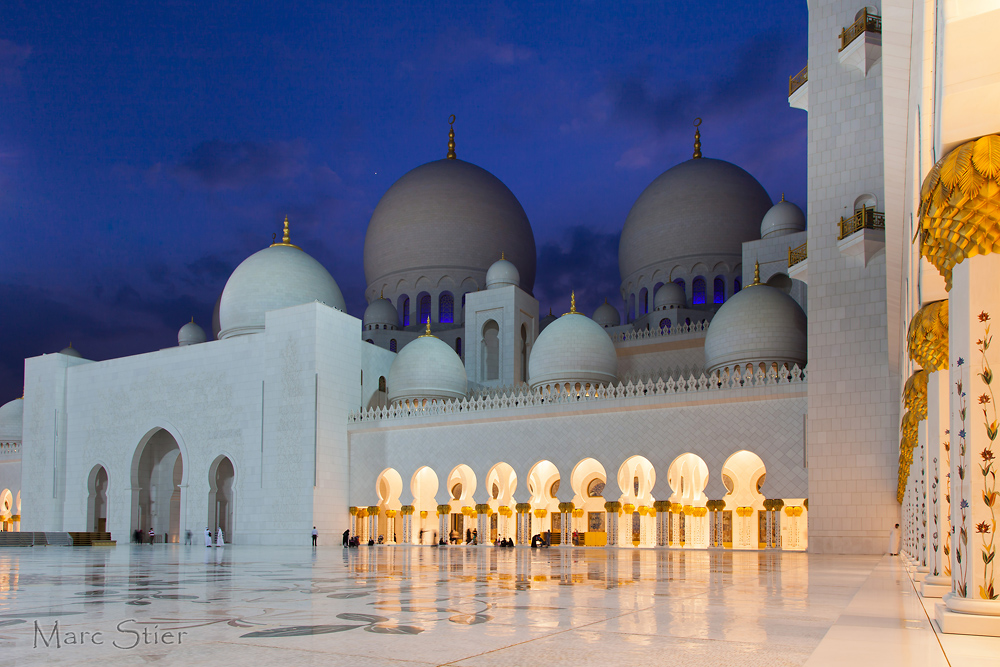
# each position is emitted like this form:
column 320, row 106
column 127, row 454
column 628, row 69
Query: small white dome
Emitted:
column 190, row 334
column 573, row 349
column 607, row 315
column 426, row 368
column 501, row 274
column 381, row 312
column 546, row 321
column 783, row 218
column 277, row 277
column 11, row 420
column 71, row 351
column 670, row 295
column 757, row 324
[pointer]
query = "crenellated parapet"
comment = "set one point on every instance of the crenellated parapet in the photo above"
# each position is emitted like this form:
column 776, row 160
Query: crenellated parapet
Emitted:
column 564, row 394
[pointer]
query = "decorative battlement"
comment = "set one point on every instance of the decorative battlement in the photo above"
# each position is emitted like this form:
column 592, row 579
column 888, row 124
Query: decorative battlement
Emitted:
column 10, row 448
column 573, row 394
column 647, row 334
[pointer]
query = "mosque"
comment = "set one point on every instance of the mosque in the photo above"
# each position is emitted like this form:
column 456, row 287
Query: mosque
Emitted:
column 765, row 384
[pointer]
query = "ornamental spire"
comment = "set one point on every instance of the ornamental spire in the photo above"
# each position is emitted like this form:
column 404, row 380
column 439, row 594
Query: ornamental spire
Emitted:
column 697, row 138
column 451, row 138
column 285, row 239
column 427, row 331
column 756, row 274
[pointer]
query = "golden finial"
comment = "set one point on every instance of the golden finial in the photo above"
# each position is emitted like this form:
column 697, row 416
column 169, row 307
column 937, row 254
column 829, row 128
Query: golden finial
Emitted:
column 501, row 254
column 427, row 331
column 697, row 138
column 756, row 274
column 285, row 238
column 451, row 138
column 572, row 304
column 192, row 319
column 782, row 196
column 381, row 293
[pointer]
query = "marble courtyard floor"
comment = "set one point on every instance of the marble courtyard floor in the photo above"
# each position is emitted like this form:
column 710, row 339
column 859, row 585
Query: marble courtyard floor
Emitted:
column 416, row 606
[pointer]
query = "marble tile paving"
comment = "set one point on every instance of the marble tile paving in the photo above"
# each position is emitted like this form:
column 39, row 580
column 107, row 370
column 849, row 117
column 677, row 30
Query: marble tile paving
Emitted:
column 418, row 606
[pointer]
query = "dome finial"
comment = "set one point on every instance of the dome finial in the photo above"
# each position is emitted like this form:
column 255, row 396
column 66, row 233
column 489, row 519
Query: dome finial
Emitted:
column 381, row 293
column 756, row 274
column 697, row 138
column 572, row 304
column 451, row 138
column 285, row 238
column 427, row 331
column 501, row 255
column 782, row 196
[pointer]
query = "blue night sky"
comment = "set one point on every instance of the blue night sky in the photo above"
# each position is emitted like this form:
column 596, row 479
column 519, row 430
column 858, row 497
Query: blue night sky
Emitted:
column 147, row 148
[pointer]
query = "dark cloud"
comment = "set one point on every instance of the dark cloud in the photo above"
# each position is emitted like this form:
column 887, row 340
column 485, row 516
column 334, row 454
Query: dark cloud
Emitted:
column 12, row 59
column 585, row 261
column 210, row 268
column 223, row 165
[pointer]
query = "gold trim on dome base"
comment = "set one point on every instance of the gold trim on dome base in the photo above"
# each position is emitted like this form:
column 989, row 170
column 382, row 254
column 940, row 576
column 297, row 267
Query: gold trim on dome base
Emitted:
column 927, row 336
column 960, row 205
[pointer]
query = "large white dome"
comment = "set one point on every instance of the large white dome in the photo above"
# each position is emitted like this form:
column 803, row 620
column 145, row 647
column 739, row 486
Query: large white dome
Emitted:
column 11, row 420
column 573, row 349
column 445, row 223
column 277, row 277
column 426, row 368
column 783, row 218
column 757, row 324
column 700, row 209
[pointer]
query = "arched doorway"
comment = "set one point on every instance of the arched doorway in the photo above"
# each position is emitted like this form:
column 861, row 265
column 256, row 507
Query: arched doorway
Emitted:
column 543, row 487
column 424, row 487
column 97, row 500
column 461, row 489
column 588, row 480
column 157, row 475
column 501, row 482
column 6, row 511
column 743, row 473
column 687, row 477
column 389, row 487
column 636, row 478
column 221, row 499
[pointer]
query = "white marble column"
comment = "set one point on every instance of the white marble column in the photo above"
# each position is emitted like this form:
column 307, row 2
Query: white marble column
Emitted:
column 973, row 605
column 938, row 580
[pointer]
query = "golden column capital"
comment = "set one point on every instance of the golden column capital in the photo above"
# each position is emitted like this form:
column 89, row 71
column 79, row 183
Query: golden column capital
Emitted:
column 927, row 336
column 960, row 205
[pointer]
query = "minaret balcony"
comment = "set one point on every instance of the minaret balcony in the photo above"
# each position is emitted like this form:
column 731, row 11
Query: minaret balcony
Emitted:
column 798, row 90
column 861, row 42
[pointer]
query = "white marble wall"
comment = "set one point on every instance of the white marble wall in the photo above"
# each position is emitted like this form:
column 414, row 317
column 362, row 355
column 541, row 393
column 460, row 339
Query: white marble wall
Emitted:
column 853, row 413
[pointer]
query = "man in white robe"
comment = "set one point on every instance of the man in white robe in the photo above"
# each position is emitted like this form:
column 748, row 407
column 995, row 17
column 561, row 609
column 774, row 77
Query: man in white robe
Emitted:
column 208, row 537
column 894, row 541
column 219, row 542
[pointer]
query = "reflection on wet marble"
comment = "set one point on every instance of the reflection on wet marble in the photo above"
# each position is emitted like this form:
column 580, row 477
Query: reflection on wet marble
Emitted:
column 429, row 606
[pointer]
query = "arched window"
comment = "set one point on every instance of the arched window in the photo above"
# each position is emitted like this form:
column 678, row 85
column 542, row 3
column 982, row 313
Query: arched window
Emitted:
column 665, row 323
column 698, row 291
column 392, row 345
column 381, row 383
column 424, row 305
column 403, row 306
column 737, row 285
column 720, row 289
column 458, row 346
column 446, row 308
column 643, row 301
column 491, row 351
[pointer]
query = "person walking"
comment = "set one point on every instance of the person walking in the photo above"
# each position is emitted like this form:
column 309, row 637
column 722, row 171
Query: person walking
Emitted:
column 152, row 536
column 347, row 538
column 315, row 535
column 208, row 537
column 187, row 537
column 219, row 541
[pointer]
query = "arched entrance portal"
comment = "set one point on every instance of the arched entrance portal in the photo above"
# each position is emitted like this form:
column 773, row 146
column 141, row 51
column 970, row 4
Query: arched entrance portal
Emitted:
column 157, row 473
column 97, row 499
column 221, row 479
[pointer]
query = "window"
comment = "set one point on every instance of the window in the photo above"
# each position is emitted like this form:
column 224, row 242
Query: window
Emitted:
column 736, row 285
column 446, row 308
column 720, row 290
column 381, row 383
column 595, row 488
column 404, row 309
column 698, row 291
column 425, row 307
column 392, row 345
column 458, row 346
column 524, row 353
column 665, row 323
